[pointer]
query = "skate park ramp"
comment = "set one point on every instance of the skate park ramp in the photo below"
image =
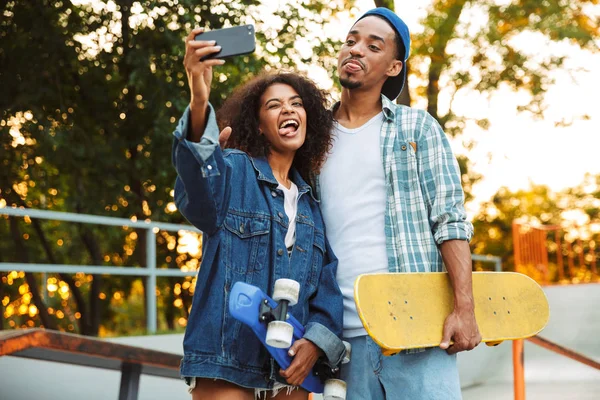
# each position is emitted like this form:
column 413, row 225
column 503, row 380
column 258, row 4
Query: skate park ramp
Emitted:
column 486, row 372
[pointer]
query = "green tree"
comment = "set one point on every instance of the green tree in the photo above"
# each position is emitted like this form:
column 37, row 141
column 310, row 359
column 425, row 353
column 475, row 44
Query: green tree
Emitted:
column 493, row 224
column 89, row 93
column 575, row 210
column 491, row 38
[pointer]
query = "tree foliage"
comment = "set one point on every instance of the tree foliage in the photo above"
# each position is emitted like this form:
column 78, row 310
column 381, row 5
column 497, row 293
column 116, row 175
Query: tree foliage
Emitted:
column 474, row 43
column 575, row 210
column 89, row 93
column 478, row 46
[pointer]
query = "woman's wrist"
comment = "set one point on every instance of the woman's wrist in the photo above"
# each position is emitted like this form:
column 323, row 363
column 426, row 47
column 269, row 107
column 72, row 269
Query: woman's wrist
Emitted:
column 198, row 116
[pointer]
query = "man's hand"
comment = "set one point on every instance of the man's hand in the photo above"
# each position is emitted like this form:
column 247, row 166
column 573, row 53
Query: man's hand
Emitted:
column 224, row 137
column 305, row 355
column 460, row 328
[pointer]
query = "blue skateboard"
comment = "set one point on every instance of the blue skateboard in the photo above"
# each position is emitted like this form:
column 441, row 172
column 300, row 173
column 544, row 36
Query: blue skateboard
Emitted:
column 251, row 306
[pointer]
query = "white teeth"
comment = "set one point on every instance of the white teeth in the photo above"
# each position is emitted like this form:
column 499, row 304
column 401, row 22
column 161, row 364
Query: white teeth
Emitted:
column 288, row 123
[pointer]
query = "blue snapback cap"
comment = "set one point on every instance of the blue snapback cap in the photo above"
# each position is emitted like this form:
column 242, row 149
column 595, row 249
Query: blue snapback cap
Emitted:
column 393, row 85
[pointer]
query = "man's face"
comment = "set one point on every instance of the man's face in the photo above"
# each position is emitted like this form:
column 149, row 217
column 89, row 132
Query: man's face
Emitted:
column 368, row 56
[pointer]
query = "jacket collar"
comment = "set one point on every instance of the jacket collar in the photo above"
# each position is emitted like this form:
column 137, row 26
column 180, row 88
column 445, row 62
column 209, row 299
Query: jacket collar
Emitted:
column 265, row 174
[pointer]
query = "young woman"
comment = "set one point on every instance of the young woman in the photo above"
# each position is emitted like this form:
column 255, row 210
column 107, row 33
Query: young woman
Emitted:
column 260, row 222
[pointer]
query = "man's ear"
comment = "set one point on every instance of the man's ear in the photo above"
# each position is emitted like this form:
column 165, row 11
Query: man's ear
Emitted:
column 395, row 68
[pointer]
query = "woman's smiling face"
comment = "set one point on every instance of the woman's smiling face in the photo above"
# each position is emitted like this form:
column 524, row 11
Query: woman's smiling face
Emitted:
column 282, row 118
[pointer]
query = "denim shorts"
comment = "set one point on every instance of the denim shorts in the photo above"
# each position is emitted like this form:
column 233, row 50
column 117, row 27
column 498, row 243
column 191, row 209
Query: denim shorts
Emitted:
column 428, row 375
column 259, row 394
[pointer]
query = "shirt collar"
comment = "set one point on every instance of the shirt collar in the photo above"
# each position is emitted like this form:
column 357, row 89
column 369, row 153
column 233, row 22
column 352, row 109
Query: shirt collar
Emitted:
column 389, row 108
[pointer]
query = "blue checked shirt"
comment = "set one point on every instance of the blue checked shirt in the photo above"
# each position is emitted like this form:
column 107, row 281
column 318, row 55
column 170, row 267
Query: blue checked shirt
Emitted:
column 425, row 199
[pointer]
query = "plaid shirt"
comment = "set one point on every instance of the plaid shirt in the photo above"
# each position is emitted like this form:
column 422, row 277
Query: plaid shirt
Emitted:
column 425, row 199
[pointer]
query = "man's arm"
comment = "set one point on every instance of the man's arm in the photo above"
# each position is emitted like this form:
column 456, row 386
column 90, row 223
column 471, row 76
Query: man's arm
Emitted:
column 460, row 326
column 443, row 194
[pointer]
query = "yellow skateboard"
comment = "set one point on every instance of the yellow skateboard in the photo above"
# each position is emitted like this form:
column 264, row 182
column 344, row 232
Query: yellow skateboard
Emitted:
column 407, row 310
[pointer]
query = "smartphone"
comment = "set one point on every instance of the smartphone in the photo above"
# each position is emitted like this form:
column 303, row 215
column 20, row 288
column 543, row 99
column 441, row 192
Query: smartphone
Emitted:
column 234, row 41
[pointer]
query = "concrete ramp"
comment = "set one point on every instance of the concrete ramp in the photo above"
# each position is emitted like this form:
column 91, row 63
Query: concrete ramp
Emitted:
column 27, row 379
column 486, row 372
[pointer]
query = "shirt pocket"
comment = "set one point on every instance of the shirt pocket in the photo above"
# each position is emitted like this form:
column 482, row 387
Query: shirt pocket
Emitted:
column 247, row 242
column 406, row 165
column 317, row 258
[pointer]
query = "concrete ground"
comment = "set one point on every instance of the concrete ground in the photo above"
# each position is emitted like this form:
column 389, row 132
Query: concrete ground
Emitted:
column 575, row 324
column 564, row 390
column 485, row 373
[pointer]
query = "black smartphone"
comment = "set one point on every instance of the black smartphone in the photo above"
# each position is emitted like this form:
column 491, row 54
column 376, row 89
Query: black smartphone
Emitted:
column 234, row 41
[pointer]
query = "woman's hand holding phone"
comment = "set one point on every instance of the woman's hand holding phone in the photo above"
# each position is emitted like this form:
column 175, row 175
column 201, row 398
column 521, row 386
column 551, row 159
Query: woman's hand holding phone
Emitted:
column 199, row 74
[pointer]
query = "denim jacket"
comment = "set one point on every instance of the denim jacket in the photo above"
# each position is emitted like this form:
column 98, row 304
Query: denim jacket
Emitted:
column 233, row 198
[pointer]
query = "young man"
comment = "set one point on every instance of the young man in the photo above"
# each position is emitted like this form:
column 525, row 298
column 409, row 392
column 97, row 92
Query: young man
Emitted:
column 392, row 201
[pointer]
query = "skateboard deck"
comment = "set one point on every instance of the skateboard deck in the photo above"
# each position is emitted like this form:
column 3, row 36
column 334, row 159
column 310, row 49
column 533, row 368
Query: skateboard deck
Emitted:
column 244, row 305
column 403, row 311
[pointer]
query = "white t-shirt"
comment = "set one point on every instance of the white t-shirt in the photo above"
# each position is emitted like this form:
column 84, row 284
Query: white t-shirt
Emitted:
column 353, row 201
column 290, row 204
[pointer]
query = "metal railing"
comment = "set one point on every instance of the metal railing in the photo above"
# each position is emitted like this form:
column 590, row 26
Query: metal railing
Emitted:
column 518, row 353
column 497, row 261
column 150, row 271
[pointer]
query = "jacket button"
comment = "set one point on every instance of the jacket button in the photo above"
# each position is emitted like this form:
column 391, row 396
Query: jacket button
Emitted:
column 242, row 228
column 274, row 193
column 280, row 252
column 280, row 214
column 403, row 147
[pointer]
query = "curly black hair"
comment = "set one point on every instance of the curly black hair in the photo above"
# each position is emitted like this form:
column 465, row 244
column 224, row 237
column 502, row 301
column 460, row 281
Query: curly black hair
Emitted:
column 241, row 110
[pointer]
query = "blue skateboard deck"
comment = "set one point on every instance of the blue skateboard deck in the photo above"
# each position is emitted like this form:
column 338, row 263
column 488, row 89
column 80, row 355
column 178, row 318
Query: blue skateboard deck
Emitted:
column 244, row 305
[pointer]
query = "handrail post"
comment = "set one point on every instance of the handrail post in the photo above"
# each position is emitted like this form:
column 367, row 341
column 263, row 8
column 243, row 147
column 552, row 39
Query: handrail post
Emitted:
column 44, row 287
column 519, row 369
column 151, row 280
column 130, row 381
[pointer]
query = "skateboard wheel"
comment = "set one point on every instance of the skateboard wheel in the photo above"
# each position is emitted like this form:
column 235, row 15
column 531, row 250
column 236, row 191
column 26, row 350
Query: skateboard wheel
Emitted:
column 335, row 389
column 279, row 334
column 347, row 353
column 286, row 289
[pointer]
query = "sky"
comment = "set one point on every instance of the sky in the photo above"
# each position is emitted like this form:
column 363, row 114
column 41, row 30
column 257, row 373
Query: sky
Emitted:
column 517, row 149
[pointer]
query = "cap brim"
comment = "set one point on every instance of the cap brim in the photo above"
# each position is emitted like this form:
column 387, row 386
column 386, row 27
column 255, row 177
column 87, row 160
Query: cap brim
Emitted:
column 393, row 86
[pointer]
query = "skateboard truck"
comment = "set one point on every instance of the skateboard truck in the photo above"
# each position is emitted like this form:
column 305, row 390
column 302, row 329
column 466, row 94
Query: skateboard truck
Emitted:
column 280, row 332
column 325, row 372
column 269, row 314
